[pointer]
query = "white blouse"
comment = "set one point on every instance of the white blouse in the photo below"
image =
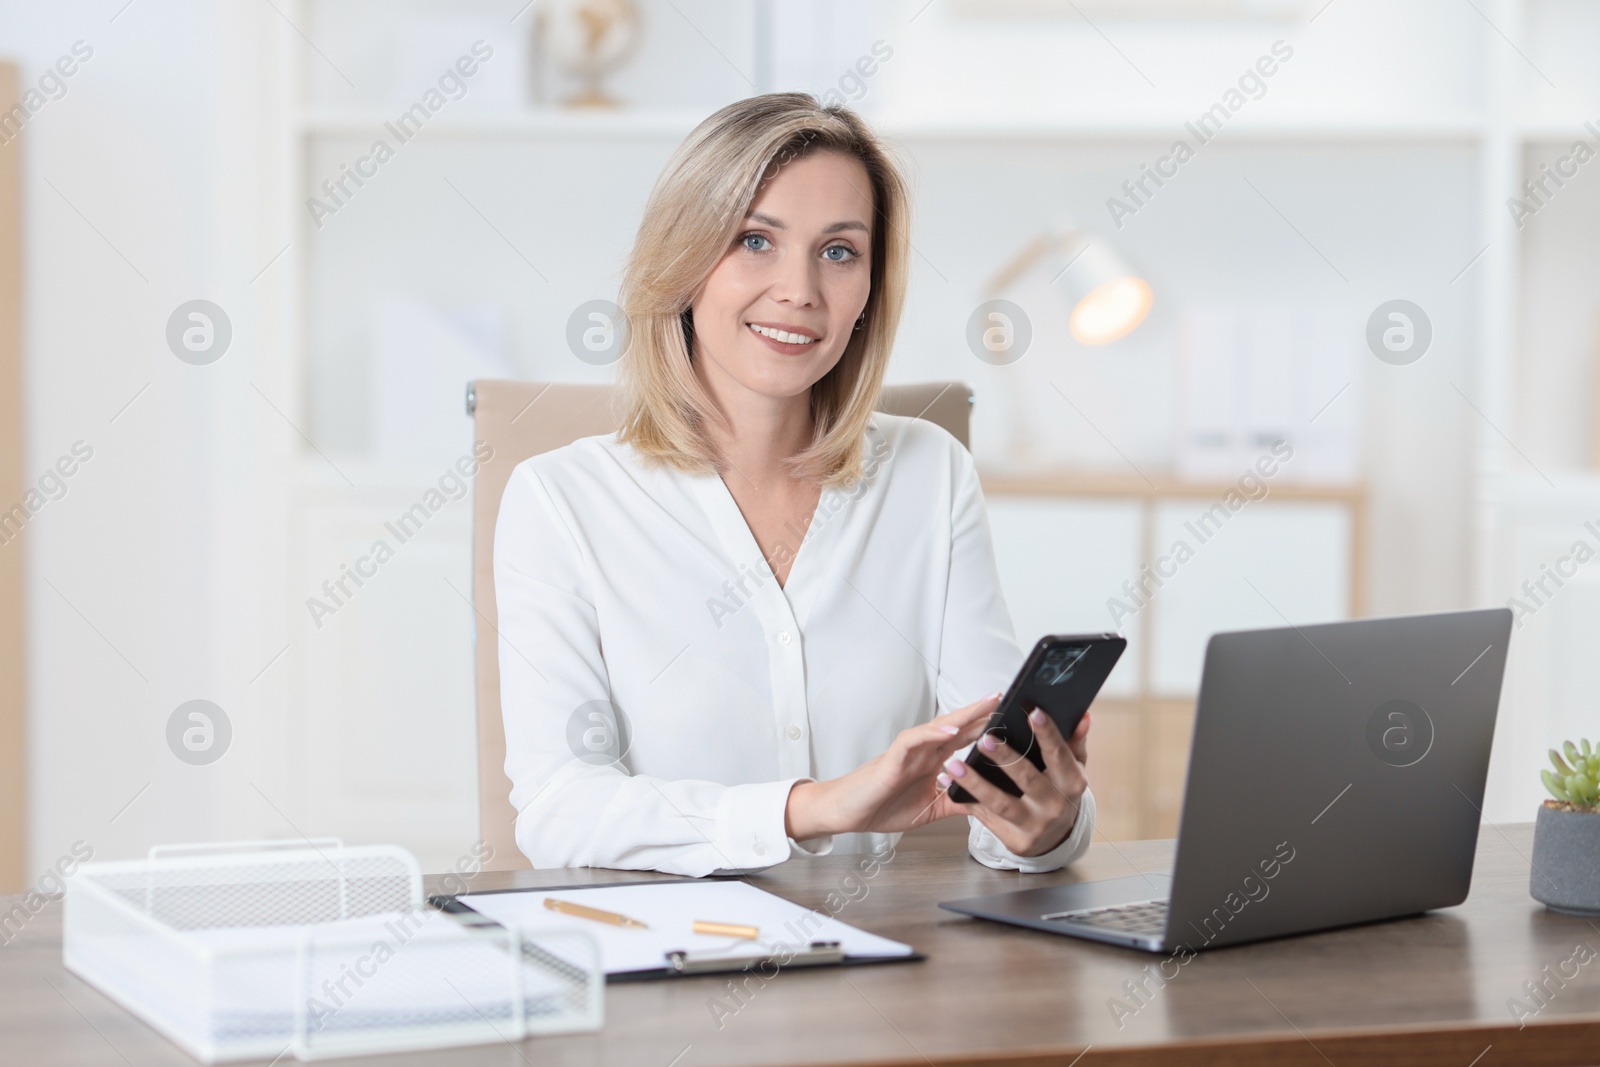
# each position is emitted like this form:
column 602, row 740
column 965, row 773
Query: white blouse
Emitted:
column 662, row 693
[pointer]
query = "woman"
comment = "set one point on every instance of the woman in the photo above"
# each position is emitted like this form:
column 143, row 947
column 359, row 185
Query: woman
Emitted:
column 769, row 586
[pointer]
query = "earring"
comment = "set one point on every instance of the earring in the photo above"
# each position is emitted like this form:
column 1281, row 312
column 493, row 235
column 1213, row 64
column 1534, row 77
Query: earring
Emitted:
column 862, row 321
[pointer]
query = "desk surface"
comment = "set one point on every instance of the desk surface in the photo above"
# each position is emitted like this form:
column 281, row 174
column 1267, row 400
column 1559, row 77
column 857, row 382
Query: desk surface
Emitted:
column 1422, row 991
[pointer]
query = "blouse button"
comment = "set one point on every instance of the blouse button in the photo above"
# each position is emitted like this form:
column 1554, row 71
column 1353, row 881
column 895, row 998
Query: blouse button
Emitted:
column 794, row 733
column 784, row 638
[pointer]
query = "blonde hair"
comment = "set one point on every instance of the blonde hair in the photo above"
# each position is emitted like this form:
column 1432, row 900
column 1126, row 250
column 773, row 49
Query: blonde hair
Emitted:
column 695, row 210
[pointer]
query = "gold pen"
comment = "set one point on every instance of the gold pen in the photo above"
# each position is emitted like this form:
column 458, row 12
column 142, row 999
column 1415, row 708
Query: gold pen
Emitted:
column 750, row 933
column 583, row 911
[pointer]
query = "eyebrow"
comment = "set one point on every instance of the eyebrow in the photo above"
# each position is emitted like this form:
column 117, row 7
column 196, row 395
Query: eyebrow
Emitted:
column 835, row 228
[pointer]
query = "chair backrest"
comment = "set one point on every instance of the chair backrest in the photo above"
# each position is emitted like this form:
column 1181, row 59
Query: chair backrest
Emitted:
column 522, row 419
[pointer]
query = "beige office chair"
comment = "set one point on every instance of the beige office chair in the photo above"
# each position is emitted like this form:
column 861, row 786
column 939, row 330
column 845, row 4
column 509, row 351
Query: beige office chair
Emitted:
column 522, row 419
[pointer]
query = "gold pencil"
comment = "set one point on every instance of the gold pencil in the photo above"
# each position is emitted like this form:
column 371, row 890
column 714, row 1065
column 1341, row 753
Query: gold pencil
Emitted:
column 727, row 929
column 599, row 915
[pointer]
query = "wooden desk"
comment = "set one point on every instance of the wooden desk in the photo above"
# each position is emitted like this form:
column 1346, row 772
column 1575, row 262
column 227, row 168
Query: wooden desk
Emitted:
column 1425, row 991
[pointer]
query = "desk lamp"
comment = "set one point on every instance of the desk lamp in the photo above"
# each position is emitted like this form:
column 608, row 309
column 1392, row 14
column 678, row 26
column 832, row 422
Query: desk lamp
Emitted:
column 1106, row 298
column 1105, row 301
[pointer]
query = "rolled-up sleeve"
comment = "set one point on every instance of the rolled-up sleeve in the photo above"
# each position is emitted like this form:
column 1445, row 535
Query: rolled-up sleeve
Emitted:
column 979, row 654
column 572, row 810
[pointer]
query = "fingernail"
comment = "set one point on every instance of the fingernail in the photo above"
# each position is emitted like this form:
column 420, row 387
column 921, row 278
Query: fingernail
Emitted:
column 943, row 780
column 951, row 730
column 956, row 768
column 988, row 743
column 996, row 695
column 1036, row 717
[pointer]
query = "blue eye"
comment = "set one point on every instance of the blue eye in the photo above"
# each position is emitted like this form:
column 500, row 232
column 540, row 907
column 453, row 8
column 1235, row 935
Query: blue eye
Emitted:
column 846, row 249
column 747, row 238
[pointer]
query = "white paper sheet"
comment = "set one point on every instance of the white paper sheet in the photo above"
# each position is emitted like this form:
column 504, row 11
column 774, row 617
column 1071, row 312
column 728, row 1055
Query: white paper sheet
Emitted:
column 431, row 965
column 669, row 910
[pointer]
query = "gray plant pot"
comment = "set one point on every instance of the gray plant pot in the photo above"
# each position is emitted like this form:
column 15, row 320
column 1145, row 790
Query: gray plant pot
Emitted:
column 1566, row 861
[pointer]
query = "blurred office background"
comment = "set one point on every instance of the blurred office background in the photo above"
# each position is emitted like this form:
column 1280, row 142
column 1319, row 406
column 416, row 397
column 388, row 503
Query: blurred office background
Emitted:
column 1364, row 152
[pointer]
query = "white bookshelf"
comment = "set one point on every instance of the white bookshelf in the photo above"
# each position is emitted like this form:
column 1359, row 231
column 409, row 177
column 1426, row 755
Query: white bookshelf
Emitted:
column 1476, row 143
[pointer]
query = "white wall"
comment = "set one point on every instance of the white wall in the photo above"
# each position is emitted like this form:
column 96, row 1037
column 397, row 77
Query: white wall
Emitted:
column 140, row 194
column 1359, row 58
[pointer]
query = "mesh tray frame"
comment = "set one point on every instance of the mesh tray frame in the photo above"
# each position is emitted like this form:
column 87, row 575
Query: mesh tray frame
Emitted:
column 250, row 949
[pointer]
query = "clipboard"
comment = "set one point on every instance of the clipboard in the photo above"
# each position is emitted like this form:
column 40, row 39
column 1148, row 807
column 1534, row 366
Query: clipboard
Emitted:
column 822, row 951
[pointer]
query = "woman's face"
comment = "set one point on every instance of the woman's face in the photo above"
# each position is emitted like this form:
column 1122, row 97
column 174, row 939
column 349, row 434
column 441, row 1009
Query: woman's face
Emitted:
column 776, row 313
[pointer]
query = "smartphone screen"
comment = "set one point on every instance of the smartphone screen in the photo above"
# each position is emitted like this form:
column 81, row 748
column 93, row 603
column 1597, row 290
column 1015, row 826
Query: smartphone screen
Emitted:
column 1061, row 676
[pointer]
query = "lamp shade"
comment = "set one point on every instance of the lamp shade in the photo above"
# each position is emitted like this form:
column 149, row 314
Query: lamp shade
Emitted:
column 1106, row 299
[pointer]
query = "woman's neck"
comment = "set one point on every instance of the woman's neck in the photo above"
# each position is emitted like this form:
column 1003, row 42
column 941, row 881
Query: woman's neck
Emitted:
column 762, row 431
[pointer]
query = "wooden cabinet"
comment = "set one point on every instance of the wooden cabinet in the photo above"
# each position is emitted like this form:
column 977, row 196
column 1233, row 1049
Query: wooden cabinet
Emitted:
column 1086, row 554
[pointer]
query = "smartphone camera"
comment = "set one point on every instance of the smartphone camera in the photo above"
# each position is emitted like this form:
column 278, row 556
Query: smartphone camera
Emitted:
column 1058, row 664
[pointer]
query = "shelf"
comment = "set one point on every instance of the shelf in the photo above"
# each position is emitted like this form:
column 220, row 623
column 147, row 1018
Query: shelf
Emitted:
column 1563, row 131
column 1452, row 127
column 648, row 123
column 512, row 124
column 316, row 473
column 1565, row 491
column 1463, row 126
column 1111, row 484
column 313, row 471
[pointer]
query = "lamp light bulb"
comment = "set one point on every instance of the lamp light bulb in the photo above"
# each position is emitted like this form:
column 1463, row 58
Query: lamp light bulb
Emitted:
column 1110, row 311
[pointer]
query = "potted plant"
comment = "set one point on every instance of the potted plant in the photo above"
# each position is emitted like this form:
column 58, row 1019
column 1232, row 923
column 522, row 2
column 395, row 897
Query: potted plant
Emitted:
column 1566, row 837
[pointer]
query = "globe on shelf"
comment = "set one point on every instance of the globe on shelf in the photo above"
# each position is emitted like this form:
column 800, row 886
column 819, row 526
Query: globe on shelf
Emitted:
column 588, row 39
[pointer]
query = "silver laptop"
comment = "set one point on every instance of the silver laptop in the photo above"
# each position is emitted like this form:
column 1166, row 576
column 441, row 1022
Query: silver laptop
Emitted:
column 1335, row 777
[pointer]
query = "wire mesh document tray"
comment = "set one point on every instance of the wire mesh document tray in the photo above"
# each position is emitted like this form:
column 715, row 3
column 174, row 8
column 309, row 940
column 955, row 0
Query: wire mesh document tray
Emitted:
column 253, row 949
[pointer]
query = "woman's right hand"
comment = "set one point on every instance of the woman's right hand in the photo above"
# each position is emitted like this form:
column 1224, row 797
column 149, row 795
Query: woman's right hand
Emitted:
column 895, row 791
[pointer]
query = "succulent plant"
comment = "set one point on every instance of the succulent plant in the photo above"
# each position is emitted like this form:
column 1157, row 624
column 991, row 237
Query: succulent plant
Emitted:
column 1576, row 779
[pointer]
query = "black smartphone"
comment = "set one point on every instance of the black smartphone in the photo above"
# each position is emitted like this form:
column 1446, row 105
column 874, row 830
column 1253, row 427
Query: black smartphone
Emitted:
column 1060, row 676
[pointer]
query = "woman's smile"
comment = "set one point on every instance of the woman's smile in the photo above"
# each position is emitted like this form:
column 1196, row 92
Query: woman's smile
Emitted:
column 788, row 340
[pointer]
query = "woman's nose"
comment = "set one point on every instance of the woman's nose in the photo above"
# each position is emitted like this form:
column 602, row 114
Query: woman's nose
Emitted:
column 797, row 282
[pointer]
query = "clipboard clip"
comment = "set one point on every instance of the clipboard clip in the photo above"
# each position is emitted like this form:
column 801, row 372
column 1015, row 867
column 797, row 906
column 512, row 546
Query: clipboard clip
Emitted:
column 818, row 953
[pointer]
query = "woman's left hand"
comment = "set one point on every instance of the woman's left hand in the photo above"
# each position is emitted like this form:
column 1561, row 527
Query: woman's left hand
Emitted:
column 1044, row 815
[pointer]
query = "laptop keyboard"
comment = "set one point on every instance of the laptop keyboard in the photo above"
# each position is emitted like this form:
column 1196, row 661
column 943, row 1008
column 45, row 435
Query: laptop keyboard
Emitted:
column 1143, row 918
